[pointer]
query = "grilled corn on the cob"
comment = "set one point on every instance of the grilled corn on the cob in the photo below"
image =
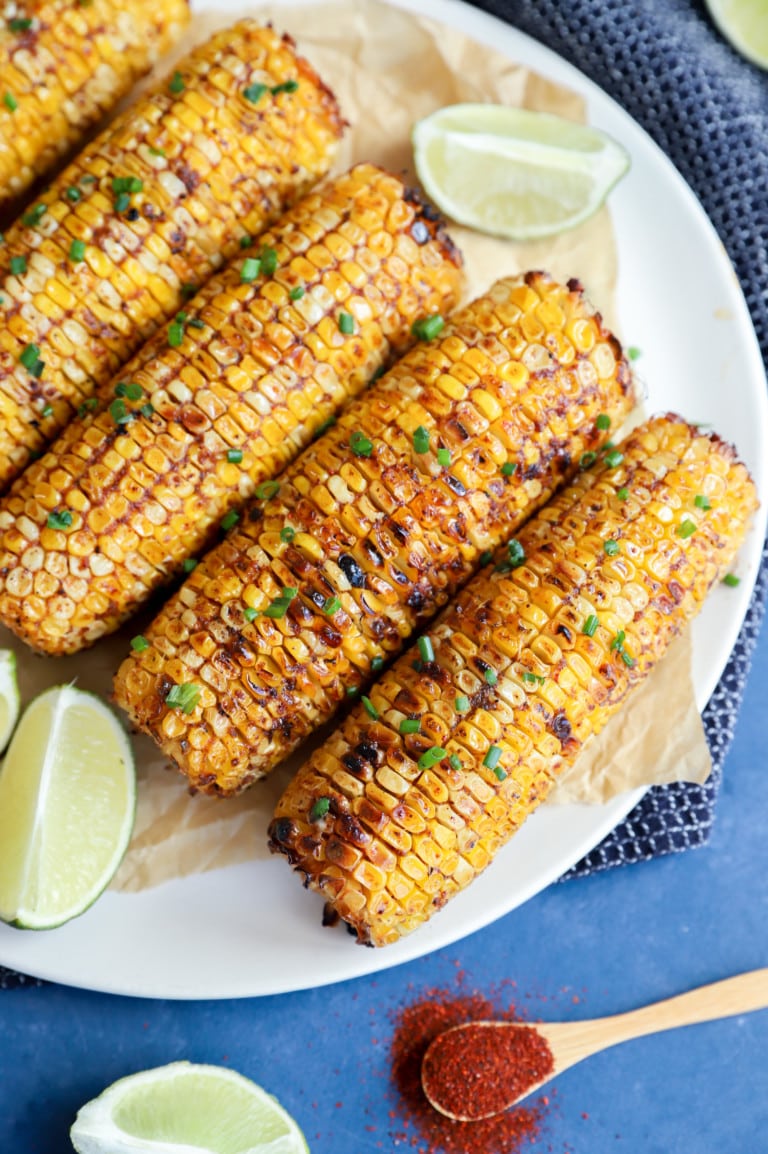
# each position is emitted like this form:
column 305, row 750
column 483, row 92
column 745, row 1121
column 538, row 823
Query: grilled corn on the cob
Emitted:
column 412, row 797
column 144, row 215
column 373, row 528
column 265, row 353
column 64, row 66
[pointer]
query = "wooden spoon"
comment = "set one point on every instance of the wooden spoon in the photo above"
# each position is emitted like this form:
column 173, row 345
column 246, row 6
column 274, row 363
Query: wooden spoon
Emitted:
column 569, row 1043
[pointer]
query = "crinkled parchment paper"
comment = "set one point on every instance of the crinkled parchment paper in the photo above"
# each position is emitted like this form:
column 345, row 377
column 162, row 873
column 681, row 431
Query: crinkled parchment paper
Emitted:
column 389, row 68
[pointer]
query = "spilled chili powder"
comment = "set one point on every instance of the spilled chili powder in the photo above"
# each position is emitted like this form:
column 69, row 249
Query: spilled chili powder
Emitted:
column 480, row 1069
column 422, row 1127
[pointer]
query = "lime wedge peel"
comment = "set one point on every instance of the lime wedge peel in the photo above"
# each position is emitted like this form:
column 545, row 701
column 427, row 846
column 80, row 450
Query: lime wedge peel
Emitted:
column 515, row 173
column 67, row 806
column 9, row 696
column 185, row 1108
column 744, row 23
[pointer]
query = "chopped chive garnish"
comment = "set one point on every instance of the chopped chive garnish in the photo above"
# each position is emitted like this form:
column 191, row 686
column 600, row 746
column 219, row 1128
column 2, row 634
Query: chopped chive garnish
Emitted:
column 352, row 690
column 417, row 665
column 686, row 529
column 20, row 24
column 119, row 412
column 731, row 580
column 286, row 86
column 370, row 708
column 320, row 809
column 254, row 92
column 618, row 640
column 246, row 241
column 508, row 468
column 633, row 352
column 279, row 607
column 701, row 502
column 421, row 440
column 234, row 456
column 88, row 404
column 176, row 84
column 196, row 323
column 426, row 650
column 428, row 327
column 59, row 519
column 628, row 661
column 133, row 391
column 360, row 445
column 29, row 356
column 18, row 265
column 492, row 757
column 127, row 184
column 89, row 178
column 188, row 291
column 432, row 756
column 184, row 697
column 613, row 458
column 189, row 564
column 532, row 678
column 267, row 489
column 515, row 557
column 268, row 257
column 77, row 251
column 73, row 194
column 10, row 102
column 332, row 605
column 147, row 410
column 47, row 411
column 229, row 520
column 287, row 534
column 156, row 151
column 591, row 625
column 603, row 421
column 410, row 725
column 250, row 270
column 486, row 556
column 455, row 761
column 610, row 548
column 176, row 334
column 249, row 613
column 34, row 215
column 622, row 494
column 139, row 644
column 346, row 323
column 297, row 292
column 587, row 459
column 377, row 664
column 491, row 676
column 121, row 389
column 462, row 704
column 122, row 202
column 444, row 457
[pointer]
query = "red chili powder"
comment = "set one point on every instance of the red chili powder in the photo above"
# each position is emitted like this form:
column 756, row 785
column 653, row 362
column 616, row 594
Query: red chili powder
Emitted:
column 424, row 1128
column 481, row 1069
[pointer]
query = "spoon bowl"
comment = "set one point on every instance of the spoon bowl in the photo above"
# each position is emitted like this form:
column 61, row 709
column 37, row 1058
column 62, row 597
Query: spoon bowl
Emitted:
column 510, row 1060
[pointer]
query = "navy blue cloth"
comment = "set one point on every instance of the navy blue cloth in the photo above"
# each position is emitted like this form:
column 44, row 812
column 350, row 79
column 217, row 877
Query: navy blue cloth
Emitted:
column 665, row 63
column 707, row 108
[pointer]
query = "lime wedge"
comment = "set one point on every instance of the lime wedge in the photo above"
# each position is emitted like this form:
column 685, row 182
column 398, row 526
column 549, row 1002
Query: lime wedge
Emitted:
column 9, row 696
column 67, row 803
column 515, row 173
column 186, row 1109
column 745, row 24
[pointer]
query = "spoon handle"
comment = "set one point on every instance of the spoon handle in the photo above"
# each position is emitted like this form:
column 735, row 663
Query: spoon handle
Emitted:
column 738, row 995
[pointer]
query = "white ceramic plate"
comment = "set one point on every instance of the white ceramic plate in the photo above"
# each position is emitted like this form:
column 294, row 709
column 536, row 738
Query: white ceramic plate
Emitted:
column 251, row 929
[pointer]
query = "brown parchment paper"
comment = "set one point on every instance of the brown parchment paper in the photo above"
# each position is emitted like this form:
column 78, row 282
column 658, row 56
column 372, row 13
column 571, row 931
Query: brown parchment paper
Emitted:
column 389, row 68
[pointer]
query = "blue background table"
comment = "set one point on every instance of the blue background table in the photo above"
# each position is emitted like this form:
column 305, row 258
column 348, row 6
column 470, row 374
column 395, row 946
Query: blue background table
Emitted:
column 614, row 940
column 591, row 946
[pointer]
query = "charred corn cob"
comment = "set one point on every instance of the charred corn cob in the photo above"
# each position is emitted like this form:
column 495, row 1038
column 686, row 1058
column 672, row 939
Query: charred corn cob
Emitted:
column 462, row 738
column 265, row 353
column 144, row 215
column 63, row 67
column 373, row 528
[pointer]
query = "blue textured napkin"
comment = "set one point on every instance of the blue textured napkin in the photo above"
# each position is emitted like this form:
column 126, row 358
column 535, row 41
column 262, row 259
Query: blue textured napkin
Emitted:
column 707, row 109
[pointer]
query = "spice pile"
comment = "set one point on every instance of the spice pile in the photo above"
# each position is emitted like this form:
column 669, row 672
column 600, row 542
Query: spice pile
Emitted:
column 416, row 1026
